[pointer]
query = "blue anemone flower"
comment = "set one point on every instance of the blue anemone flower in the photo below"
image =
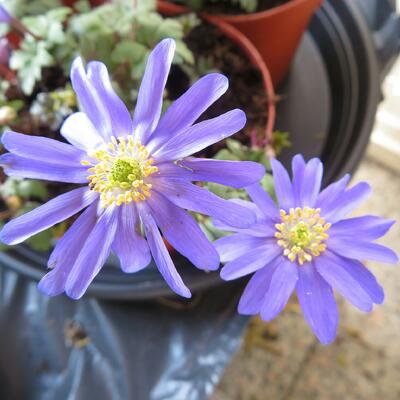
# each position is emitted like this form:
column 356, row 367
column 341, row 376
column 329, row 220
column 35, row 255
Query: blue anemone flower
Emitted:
column 305, row 244
column 137, row 174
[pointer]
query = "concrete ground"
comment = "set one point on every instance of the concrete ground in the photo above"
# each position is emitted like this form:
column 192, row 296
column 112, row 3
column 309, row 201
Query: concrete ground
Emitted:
column 282, row 360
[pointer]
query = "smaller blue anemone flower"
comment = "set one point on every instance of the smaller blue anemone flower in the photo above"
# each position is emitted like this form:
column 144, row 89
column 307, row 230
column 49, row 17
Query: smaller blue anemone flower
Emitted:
column 305, row 244
column 137, row 177
column 4, row 15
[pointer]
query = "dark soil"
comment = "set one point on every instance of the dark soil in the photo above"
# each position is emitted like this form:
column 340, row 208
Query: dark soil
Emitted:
column 246, row 88
column 226, row 7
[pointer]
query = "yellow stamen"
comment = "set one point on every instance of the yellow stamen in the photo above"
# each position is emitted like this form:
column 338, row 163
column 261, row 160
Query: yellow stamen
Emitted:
column 301, row 234
column 120, row 171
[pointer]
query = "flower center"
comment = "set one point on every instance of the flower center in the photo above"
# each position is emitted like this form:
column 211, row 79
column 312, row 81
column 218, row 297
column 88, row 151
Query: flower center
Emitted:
column 125, row 171
column 120, row 170
column 302, row 234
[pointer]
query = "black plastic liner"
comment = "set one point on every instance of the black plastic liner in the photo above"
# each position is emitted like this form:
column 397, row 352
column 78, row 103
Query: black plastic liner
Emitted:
column 92, row 349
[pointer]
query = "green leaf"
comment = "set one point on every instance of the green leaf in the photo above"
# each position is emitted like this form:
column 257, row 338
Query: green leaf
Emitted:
column 9, row 187
column 42, row 241
column 28, row 189
column 128, row 51
column 183, row 51
column 29, row 61
column 268, row 184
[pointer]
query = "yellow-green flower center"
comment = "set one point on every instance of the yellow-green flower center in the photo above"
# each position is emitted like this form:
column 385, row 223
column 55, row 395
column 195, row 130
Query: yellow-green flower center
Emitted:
column 125, row 171
column 120, row 171
column 302, row 233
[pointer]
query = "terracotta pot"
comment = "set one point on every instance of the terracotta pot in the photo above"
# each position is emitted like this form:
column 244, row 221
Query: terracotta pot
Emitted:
column 169, row 9
column 276, row 33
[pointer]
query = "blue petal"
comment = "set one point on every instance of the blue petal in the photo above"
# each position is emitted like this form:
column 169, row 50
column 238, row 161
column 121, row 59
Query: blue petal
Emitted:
column 263, row 201
column 185, row 111
column 47, row 215
column 251, row 262
column 335, row 271
column 120, row 118
column 150, row 97
column 160, row 253
column 93, row 255
column 236, row 174
column 264, row 227
column 362, row 250
column 283, row 186
column 129, row 245
column 64, row 255
column 5, row 17
column 298, row 167
column 346, row 202
column 194, row 198
column 368, row 227
column 231, row 247
column 90, row 101
column 311, row 183
column 201, row 135
column 184, row 234
column 254, row 293
column 318, row 303
column 42, row 149
column 14, row 165
column 328, row 196
column 364, row 278
column 283, row 281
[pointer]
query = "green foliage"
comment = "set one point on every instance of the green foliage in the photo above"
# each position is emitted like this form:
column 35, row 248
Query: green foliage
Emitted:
column 21, row 8
column 26, row 189
column 237, row 151
column 41, row 51
column 118, row 34
column 280, row 140
column 29, row 61
column 122, row 37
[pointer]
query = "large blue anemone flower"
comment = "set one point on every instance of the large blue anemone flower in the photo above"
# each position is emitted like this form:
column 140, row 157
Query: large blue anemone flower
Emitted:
column 305, row 244
column 137, row 177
